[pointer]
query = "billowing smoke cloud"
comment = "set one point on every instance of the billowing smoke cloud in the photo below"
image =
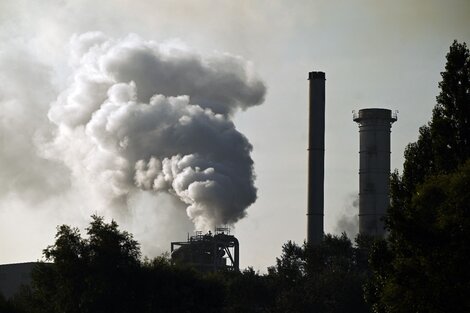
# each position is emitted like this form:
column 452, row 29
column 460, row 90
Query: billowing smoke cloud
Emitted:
column 138, row 115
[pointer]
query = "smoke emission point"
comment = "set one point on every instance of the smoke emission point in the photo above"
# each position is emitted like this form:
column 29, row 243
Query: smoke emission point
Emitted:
column 348, row 221
column 139, row 115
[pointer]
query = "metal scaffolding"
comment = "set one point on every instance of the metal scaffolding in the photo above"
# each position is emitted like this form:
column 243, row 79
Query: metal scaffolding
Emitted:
column 208, row 252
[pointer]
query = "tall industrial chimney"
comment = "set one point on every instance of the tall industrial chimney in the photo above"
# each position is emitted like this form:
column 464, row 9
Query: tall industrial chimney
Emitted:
column 374, row 168
column 316, row 157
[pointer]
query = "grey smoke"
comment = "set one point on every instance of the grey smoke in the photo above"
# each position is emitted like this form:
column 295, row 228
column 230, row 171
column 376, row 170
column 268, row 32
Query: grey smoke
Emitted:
column 138, row 115
column 348, row 221
column 25, row 94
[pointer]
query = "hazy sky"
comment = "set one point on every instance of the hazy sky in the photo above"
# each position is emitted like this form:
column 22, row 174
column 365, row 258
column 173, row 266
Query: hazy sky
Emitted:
column 375, row 54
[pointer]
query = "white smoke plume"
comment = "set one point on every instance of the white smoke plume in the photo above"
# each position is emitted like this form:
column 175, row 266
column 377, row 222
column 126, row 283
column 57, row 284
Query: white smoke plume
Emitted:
column 139, row 115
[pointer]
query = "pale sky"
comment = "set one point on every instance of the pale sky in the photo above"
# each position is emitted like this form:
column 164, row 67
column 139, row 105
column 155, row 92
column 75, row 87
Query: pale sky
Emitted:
column 386, row 54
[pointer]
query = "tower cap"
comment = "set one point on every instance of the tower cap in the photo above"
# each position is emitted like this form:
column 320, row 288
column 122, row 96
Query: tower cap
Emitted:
column 316, row 75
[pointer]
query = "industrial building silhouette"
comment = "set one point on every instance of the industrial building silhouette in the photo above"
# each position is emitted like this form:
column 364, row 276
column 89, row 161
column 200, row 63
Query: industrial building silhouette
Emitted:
column 374, row 165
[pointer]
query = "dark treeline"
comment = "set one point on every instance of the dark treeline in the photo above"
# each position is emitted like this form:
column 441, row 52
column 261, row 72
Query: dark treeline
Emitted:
column 104, row 273
column 422, row 266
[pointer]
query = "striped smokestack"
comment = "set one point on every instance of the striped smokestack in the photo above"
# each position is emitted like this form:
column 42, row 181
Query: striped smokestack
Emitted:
column 316, row 157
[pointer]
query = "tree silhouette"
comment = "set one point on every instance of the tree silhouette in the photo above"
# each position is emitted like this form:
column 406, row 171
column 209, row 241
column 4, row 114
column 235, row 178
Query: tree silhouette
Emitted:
column 421, row 267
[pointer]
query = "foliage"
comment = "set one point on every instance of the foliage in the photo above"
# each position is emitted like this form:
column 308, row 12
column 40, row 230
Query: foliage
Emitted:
column 7, row 306
column 88, row 275
column 248, row 291
column 324, row 278
column 425, row 269
column 168, row 288
column 104, row 273
column 337, row 273
column 421, row 267
column 444, row 143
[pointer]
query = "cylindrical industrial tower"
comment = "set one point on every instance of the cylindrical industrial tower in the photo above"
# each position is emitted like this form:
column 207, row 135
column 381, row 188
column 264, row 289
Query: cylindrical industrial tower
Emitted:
column 316, row 157
column 374, row 168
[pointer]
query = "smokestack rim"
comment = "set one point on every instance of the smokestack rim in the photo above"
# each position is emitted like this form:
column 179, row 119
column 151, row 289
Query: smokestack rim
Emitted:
column 374, row 113
column 316, row 75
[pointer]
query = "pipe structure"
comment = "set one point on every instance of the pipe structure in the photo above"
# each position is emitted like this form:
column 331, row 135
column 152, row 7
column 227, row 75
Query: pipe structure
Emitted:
column 208, row 252
column 374, row 168
column 316, row 157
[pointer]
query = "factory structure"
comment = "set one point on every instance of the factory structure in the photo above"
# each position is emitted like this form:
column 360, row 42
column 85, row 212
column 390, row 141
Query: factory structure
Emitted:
column 374, row 168
column 208, row 252
column 13, row 276
column 374, row 164
column 316, row 157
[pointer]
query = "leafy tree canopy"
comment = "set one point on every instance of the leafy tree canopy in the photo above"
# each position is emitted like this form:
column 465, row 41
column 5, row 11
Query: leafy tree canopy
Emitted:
column 421, row 267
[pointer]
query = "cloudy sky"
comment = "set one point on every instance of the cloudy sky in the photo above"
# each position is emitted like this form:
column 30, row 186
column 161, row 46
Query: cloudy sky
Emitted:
column 63, row 76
